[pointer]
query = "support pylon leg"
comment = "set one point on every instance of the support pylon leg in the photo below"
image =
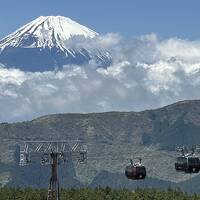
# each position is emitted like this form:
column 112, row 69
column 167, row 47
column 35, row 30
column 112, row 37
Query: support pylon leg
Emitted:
column 53, row 190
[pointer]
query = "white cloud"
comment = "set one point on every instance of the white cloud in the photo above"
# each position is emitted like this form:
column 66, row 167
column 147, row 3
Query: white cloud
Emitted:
column 188, row 51
column 146, row 73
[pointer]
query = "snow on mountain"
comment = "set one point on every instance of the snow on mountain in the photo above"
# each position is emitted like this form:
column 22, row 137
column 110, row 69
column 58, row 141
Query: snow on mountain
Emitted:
column 41, row 45
column 49, row 31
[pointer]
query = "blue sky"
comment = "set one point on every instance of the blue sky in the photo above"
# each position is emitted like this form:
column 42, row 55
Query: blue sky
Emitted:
column 166, row 18
column 146, row 72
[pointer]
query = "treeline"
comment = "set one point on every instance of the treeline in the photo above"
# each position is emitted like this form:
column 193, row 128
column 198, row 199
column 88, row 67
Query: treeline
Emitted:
column 96, row 194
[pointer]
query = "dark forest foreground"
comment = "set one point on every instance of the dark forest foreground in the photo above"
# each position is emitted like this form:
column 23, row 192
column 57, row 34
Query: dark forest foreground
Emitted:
column 97, row 194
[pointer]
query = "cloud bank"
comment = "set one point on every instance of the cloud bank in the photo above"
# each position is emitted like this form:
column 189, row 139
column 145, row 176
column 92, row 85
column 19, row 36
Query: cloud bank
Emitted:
column 146, row 73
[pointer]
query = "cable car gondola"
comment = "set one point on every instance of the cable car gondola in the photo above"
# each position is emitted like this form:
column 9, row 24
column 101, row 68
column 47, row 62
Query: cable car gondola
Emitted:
column 187, row 162
column 193, row 164
column 135, row 171
column 181, row 163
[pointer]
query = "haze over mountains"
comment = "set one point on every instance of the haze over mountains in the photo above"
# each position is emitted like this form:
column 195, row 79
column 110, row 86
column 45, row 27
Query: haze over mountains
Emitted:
column 47, row 43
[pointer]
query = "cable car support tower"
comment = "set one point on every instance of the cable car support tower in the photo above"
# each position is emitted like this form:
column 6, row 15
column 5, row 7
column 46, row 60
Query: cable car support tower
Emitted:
column 53, row 153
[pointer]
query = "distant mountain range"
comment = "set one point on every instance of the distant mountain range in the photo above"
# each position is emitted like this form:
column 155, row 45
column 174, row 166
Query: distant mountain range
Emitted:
column 112, row 138
column 43, row 44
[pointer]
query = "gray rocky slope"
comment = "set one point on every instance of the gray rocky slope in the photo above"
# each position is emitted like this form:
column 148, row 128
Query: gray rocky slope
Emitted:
column 112, row 138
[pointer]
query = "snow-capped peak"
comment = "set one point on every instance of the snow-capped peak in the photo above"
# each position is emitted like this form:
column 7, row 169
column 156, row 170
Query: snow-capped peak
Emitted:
column 46, row 31
column 48, row 43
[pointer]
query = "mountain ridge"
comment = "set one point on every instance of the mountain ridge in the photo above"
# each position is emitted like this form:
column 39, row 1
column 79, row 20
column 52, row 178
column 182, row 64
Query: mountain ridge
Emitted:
column 113, row 138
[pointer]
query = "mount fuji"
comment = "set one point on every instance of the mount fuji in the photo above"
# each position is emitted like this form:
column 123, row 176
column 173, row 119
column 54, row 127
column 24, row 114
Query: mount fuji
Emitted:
column 46, row 44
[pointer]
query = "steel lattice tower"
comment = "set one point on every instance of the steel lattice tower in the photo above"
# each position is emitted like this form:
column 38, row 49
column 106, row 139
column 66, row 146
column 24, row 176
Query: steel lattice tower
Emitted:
column 53, row 153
